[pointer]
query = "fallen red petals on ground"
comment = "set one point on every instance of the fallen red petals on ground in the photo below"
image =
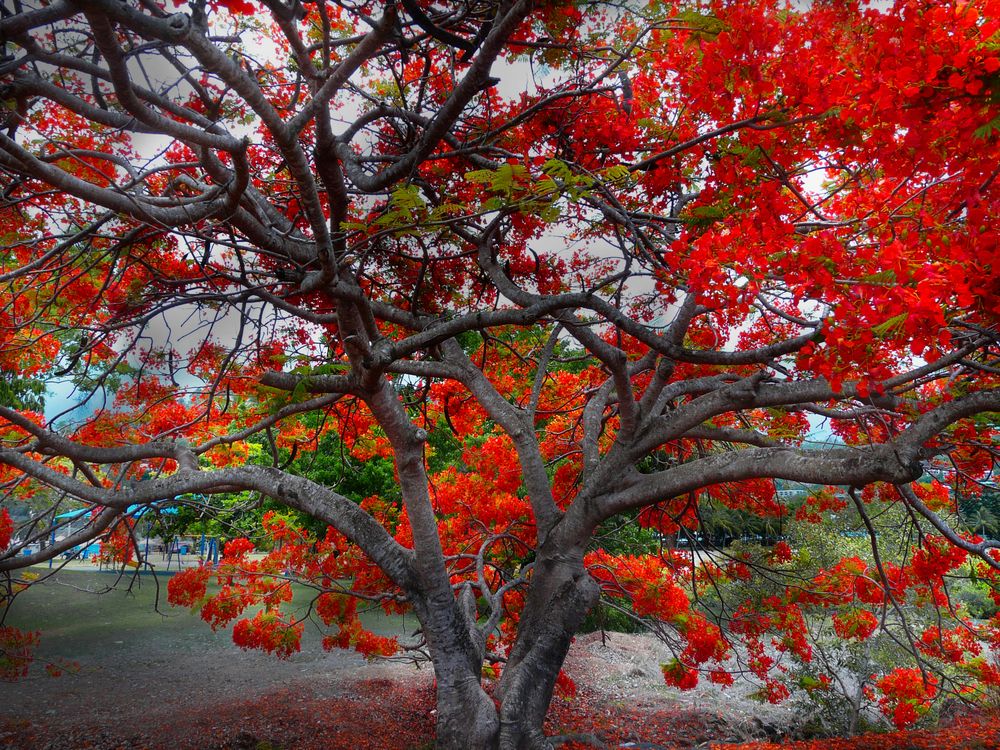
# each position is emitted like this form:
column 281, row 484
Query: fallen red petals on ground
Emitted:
column 968, row 733
column 382, row 714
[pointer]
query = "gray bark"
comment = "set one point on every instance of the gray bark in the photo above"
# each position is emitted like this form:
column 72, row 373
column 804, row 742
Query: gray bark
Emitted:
column 561, row 595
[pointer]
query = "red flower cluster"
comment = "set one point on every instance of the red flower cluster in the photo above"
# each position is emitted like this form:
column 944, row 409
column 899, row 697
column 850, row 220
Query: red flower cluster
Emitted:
column 676, row 674
column 855, row 624
column 118, row 545
column 237, row 548
column 781, row 552
column 16, row 652
column 244, row 582
column 906, row 695
column 6, row 528
column 949, row 645
column 268, row 631
column 936, row 558
column 187, row 588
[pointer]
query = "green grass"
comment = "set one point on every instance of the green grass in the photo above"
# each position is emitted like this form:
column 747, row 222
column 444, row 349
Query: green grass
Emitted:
column 79, row 615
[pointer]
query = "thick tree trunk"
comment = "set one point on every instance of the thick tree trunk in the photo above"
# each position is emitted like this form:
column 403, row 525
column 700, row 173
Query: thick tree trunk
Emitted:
column 562, row 592
column 466, row 716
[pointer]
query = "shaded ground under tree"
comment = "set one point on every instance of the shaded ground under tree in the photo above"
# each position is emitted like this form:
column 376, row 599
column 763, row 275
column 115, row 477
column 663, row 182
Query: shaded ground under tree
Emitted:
column 144, row 680
column 382, row 714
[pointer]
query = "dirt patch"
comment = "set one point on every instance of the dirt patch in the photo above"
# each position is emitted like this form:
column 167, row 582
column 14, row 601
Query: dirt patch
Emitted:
column 143, row 671
column 374, row 714
column 207, row 694
column 624, row 669
column 134, row 689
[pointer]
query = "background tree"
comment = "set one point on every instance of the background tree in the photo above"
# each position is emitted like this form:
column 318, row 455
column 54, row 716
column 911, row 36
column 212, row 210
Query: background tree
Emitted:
column 608, row 260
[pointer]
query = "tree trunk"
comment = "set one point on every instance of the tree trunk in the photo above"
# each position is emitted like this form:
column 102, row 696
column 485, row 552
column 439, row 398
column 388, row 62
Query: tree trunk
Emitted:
column 562, row 592
column 466, row 716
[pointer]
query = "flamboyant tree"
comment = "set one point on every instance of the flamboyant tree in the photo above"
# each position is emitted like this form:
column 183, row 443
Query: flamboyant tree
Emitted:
column 562, row 263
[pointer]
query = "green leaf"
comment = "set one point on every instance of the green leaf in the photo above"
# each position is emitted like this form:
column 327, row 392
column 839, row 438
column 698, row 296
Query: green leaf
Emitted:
column 480, row 176
column 704, row 25
column 507, row 176
column 407, row 197
column 501, row 180
column 546, row 186
column 892, row 324
column 549, row 214
column 882, row 277
column 301, row 391
column 447, row 209
column 985, row 131
column 557, row 168
column 618, row 174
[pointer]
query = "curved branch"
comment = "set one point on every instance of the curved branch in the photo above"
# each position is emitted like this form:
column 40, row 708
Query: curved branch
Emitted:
column 11, row 561
column 841, row 466
column 979, row 549
column 935, row 421
column 517, row 425
column 18, row 160
column 296, row 492
column 17, row 24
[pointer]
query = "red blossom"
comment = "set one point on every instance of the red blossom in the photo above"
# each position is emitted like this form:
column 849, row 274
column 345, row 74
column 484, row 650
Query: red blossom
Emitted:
column 6, row 528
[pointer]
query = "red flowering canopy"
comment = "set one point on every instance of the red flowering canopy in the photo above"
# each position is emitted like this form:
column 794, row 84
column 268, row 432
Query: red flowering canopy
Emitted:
column 561, row 268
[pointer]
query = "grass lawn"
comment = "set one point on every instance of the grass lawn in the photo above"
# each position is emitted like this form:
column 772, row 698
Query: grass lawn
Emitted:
column 81, row 614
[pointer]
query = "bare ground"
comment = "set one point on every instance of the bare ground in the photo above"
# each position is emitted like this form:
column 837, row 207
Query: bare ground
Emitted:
column 624, row 669
column 146, row 681
column 205, row 693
